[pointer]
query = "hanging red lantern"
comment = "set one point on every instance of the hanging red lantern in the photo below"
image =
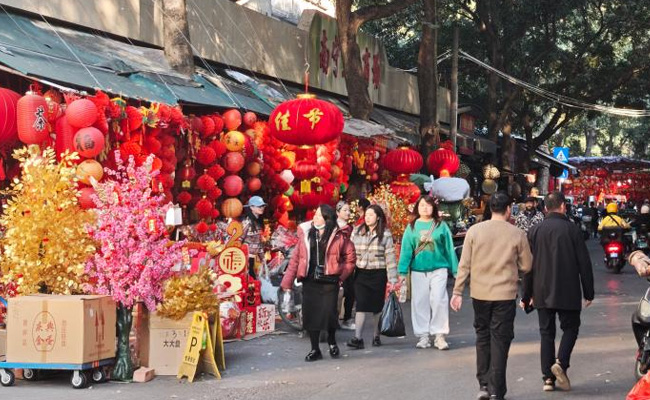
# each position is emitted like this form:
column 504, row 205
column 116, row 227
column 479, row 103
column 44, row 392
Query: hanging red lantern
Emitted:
column 206, row 182
column 306, row 121
column 216, row 172
column 8, row 116
column 32, row 119
column 184, row 198
column 130, row 149
column 406, row 190
column 303, row 170
column 85, row 198
column 209, row 128
column 601, row 173
column 403, row 161
column 254, row 168
column 196, row 124
column 206, row 156
column 254, row 184
column 202, row 228
column 233, row 185
column 219, row 147
column 234, row 141
column 231, row 208
column 89, row 142
column 152, row 144
column 232, row 119
column 188, row 172
column 443, row 160
column 204, row 208
column 81, row 113
column 214, row 194
column 250, row 119
column 64, row 136
column 233, row 162
column 218, row 124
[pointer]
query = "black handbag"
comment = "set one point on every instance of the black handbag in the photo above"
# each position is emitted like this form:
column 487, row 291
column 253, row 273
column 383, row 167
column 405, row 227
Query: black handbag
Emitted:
column 319, row 271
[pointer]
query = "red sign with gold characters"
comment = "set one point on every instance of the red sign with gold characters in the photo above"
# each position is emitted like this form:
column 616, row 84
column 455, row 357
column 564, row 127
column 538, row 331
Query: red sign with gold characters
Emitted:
column 306, row 121
column 232, row 261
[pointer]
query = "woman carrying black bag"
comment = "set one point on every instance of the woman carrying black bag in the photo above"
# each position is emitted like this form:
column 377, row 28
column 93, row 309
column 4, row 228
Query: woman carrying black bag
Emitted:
column 376, row 265
column 324, row 257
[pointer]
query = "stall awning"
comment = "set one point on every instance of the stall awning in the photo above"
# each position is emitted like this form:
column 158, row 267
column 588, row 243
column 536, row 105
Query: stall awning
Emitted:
column 548, row 158
column 37, row 48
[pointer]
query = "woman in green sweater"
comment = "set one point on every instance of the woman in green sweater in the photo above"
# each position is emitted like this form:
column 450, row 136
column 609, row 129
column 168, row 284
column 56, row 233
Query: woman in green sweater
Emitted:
column 428, row 253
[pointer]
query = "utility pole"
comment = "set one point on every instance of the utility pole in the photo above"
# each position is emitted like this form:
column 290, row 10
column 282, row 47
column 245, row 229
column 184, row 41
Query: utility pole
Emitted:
column 454, row 88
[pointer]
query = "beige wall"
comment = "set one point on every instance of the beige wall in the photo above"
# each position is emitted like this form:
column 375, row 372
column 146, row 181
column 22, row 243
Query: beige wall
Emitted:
column 224, row 32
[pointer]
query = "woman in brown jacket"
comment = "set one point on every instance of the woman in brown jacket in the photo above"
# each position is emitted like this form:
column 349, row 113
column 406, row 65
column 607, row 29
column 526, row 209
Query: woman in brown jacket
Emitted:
column 324, row 257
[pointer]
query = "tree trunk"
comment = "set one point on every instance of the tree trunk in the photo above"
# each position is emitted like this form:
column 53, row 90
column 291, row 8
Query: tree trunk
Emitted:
column 590, row 139
column 428, row 79
column 176, row 37
column 123, row 370
column 507, row 149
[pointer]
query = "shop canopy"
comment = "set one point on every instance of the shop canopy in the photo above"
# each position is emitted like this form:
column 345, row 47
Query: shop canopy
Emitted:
column 38, row 49
column 611, row 162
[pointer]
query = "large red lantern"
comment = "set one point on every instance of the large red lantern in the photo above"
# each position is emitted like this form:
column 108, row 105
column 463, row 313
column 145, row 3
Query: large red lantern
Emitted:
column 254, row 184
column 304, row 170
column 233, row 162
column 8, row 119
column 81, row 113
column 306, row 121
column 443, row 160
column 403, row 161
column 232, row 185
column 32, row 119
column 89, row 142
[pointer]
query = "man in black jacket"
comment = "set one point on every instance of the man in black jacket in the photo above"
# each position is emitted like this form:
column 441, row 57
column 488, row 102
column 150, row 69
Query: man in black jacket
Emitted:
column 561, row 277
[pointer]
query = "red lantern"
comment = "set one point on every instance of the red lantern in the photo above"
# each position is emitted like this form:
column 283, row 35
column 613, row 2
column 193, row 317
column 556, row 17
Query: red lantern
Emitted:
column 88, row 169
column 254, row 168
column 85, row 198
column 152, row 144
column 218, row 124
column 601, row 173
column 304, row 170
column 443, row 160
column 250, row 119
column 89, row 142
column 204, row 208
column 206, row 156
column 232, row 119
column 216, row 172
column 8, row 118
column 403, row 161
column 233, row 162
column 219, row 148
column 32, row 119
column 233, row 185
column 184, row 198
column 234, row 141
column 406, row 190
column 64, row 136
column 306, row 121
column 214, row 194
column 254, row 184
column 232, row 208
column 202, row 227
column 209, row 128
column 81, row 113
column 205, row 182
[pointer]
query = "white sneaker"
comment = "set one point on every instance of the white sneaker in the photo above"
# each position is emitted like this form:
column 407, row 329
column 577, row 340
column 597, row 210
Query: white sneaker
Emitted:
column 423, row 343
column 348, row 325
column 441, row 343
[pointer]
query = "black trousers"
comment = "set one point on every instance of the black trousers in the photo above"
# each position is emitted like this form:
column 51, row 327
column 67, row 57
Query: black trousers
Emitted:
column 348, row 294
column 494, row 324
column 570, row 325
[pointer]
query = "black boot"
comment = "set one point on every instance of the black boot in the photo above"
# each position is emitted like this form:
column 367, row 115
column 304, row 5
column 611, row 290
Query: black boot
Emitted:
column 376, row 341
column 356, row 343
column 334, row 351
column 314, row 355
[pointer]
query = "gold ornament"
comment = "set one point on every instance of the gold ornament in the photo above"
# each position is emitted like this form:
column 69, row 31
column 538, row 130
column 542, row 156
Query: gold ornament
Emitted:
column 189, row 292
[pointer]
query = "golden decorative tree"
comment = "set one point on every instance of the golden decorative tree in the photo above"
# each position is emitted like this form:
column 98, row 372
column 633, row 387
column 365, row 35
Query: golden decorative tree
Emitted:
column 46, row 245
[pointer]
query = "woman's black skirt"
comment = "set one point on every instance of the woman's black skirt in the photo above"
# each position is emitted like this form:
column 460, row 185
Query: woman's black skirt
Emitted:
column 370, row 289
column 319, row 306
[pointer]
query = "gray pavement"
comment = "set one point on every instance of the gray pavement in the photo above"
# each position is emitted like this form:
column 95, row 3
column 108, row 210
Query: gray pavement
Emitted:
column 272, row 367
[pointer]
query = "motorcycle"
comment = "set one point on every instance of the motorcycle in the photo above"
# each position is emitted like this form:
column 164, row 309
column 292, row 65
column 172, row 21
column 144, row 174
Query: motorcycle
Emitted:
column 614, row 252
column 641, row 241
column 641, row 329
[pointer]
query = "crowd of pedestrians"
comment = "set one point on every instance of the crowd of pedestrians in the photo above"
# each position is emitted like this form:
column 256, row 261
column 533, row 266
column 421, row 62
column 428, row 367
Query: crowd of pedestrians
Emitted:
column 541, row 257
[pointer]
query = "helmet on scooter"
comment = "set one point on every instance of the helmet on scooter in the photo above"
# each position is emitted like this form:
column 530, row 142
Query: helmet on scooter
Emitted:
column 612, row 208
column 645, row 209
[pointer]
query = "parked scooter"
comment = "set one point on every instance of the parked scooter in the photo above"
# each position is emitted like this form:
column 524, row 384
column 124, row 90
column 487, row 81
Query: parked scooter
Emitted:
column 641, row 329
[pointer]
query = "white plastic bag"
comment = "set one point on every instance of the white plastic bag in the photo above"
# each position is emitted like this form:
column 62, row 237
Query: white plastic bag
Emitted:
column 268, row 291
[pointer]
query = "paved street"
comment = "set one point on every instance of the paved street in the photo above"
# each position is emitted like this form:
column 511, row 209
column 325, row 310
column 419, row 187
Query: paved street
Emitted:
column 273, row 368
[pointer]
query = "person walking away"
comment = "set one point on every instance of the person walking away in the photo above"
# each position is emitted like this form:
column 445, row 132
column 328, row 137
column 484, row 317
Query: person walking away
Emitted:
column 560, row 278
column 376, row 265
column 324, row 257
column 494, row 252
column 342, row 217
column 529, row 217
column 428, row 253
column 253, row 226
column 595, row 218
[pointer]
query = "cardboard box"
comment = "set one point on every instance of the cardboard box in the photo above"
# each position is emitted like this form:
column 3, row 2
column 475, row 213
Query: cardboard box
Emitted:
column 163, row 344
column 3, row 345
column 60, row 329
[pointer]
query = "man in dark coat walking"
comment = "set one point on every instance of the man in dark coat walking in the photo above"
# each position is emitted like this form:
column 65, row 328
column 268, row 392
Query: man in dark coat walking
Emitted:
column 560, row 278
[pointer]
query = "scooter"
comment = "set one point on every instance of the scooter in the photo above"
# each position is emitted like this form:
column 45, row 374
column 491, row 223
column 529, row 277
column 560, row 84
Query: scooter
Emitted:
column 614, row 252
column 641, row 241
column 641, row 329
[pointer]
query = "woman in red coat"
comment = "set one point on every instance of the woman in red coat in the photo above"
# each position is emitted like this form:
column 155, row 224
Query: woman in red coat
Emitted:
column 324, row 257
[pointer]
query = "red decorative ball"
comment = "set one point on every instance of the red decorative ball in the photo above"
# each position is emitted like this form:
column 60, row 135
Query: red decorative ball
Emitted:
column 304, row 170
column 403, row 161
column 168, row 167
column 197, row 125
column 254, row 168
column 152, row 144
column 206, row 156
column 85, row 200
column 205, row 182
column 232, row 208
column 232, row 119
column 134, row 118
column 214, row 193
column 130, row 149
column 32, row 119
column 184, row 198
column 218, row 147
column 208, row 126
column 89, row 142
column 216, row 172
column 202, row 228
column 204, row 208
column 443, row 160
column 81, row 113
column 254, row 184
column 250, row 119
column 218, row 124
column 8, row 118
column 233, row 185
column 215, row 214
column 233, row 162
